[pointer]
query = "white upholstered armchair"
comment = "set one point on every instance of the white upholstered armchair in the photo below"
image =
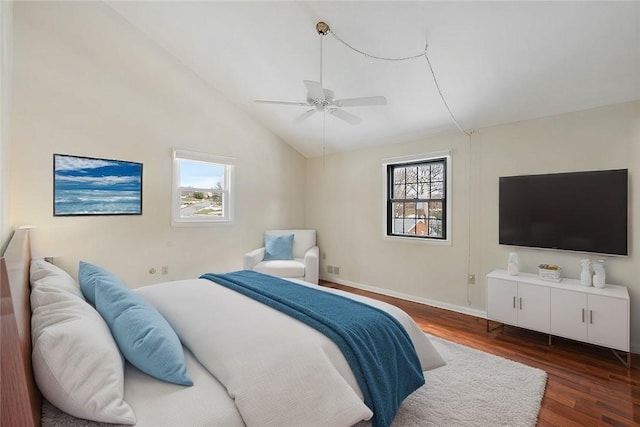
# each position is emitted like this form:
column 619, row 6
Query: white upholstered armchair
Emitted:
column 287, row 253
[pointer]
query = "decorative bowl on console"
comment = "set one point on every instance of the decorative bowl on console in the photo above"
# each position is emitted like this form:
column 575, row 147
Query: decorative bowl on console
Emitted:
column 549, row 272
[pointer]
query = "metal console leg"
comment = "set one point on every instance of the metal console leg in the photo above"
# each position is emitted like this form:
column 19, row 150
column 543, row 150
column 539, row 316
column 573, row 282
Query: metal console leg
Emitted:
column 627, row 363
column 501, row 325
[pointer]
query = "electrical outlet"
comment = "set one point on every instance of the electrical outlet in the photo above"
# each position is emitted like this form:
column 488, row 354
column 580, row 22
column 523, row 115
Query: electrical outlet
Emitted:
column 471, row 279
column 152, row 270
column 165, row 269
column 332, row 269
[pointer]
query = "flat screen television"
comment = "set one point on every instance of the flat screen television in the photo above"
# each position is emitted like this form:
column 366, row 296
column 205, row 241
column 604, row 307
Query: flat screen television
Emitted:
column 575, row 211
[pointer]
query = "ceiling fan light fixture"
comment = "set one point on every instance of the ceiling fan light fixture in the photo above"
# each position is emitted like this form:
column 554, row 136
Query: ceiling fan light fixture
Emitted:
column 321, row 98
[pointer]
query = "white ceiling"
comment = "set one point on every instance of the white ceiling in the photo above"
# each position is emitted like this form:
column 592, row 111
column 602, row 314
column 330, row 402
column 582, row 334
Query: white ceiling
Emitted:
column 496, row 62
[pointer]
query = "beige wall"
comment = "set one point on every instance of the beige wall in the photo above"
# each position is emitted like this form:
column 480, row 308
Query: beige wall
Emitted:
column 345, row 200
column 6, row 17
column 86, row 83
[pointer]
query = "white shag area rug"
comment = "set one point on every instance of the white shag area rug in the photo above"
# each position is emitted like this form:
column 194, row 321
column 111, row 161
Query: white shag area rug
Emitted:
column 474, row 389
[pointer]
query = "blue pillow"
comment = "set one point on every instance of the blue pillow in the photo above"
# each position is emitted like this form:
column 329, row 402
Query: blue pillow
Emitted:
column 88, row 275
column 278, row 247
column 144, row 337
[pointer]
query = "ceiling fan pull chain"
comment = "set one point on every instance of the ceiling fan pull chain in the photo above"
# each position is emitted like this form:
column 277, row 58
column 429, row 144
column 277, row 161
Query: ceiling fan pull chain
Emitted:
column 324, row 133
column 321, row 52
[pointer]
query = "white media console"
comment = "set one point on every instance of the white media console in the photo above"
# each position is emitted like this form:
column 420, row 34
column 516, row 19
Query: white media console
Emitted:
column 566, row 309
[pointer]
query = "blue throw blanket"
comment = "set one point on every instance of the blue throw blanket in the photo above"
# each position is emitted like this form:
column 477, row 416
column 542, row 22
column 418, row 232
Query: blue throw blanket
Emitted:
column 376, row 346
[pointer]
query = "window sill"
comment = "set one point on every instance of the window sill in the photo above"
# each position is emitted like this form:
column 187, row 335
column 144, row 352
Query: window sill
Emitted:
column 417, row 240
column 200, row 223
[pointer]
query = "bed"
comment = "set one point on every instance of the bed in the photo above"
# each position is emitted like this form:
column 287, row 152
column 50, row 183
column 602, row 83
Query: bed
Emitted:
column 257, row 366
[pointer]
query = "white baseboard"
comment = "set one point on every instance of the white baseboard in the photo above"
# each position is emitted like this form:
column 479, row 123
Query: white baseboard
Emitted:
column 413, row 298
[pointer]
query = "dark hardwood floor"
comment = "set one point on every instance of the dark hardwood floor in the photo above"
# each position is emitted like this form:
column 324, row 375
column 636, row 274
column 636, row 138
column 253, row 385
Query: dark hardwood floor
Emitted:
column 586, row 386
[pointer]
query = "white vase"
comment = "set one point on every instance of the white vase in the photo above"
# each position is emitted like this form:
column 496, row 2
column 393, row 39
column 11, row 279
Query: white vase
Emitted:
column 585, row 275
column 599, row 276
column 513, row 264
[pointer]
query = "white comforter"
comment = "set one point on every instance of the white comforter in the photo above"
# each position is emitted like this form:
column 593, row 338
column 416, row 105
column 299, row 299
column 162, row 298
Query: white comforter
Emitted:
column 280, row 372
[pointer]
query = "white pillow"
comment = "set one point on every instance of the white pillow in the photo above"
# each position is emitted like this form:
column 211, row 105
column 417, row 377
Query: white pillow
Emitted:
column 45, row 273
column 76, row 362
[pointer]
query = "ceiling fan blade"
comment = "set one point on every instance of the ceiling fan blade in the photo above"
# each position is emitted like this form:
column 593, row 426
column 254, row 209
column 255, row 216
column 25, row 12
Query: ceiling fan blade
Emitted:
column 347, row 117
column 314, row 89
column 304, row 116
column 266, row 101
column 357, row 102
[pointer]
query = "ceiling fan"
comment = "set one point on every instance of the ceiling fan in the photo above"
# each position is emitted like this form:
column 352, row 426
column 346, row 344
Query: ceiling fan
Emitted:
column 323, row 100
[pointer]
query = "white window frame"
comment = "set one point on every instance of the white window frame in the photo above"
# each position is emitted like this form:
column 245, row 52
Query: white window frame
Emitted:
column 448, row 200
column 227, row 193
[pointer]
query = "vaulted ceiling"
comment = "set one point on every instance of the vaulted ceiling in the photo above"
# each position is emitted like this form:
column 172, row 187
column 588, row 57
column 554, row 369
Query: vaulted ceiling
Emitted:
column 495, row 62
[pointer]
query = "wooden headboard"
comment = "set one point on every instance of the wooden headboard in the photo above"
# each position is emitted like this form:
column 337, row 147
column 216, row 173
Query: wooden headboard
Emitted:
column 20, row 400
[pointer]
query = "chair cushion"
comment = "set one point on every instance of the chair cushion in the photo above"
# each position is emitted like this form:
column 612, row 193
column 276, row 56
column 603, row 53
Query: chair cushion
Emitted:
column 303, row 240
column 281, row 268
column 278, row 247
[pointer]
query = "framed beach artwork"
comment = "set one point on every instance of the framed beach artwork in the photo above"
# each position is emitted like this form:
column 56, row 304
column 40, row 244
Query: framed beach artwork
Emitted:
column 90, row 186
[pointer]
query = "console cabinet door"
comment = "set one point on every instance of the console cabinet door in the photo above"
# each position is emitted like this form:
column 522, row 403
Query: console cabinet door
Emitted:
column 596, row 316
column 608, row 322
column 533, row 307
column 569, row 314
column 501, row 301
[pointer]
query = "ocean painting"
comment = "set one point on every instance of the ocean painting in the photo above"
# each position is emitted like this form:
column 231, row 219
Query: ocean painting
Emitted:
column 88, row 186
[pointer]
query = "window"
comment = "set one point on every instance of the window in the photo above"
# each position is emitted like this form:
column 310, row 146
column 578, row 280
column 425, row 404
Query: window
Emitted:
column 202, row 189
column 416, row 203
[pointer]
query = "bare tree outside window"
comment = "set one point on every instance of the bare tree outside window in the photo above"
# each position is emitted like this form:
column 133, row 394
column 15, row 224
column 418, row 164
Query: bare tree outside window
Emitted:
column 416, row 199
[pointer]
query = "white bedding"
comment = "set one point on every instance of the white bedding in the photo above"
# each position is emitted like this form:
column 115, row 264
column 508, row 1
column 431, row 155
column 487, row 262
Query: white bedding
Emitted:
column 161, row 404
column 278, row 371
